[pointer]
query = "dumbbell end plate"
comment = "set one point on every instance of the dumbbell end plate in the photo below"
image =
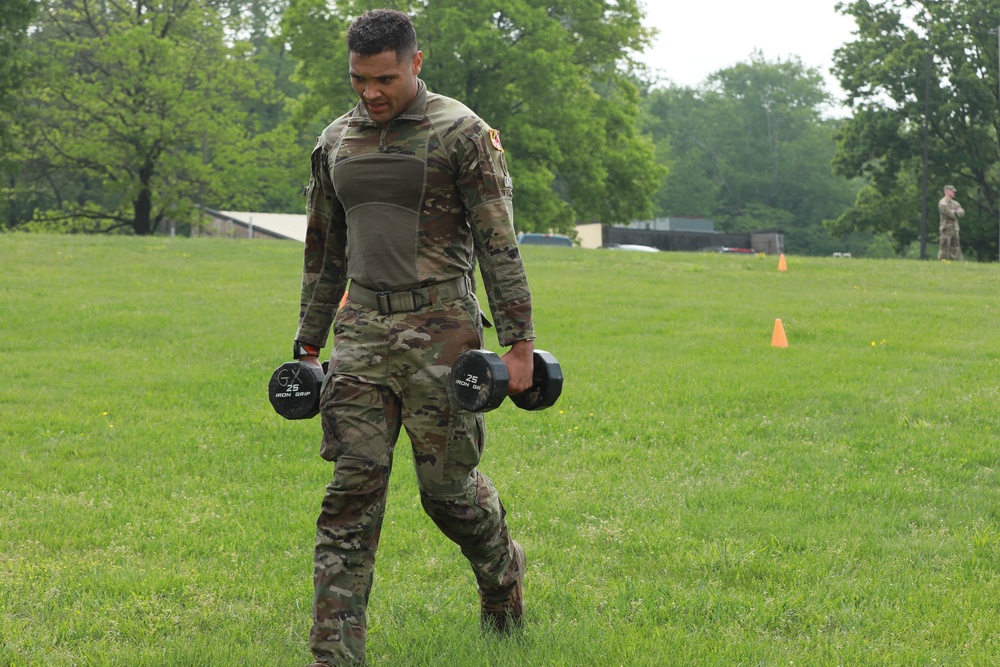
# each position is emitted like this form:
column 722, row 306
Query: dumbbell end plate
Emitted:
column 294, row 389
column 546, row 385
column 479, row 381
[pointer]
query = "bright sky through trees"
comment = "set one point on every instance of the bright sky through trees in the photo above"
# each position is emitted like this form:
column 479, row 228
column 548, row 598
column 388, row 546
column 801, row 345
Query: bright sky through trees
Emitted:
column 698, row 38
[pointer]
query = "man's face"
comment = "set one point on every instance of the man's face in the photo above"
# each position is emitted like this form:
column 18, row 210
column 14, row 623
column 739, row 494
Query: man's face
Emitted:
column 949, row 193
column 386, row 86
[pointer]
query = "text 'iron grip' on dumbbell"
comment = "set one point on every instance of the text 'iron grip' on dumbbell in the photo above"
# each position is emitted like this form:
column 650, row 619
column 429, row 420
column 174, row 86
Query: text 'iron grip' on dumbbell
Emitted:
column 294, row 389
column 479, row 382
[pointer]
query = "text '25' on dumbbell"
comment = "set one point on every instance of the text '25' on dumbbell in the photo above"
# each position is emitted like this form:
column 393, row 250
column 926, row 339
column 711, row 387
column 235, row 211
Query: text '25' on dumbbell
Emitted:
column 294, row 389
column 479, row 382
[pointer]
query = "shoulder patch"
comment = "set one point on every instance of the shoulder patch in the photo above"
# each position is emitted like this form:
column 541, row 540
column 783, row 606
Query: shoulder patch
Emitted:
column 495, row 139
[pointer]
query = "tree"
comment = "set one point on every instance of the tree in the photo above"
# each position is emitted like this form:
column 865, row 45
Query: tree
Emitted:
column 549, row 75
column 15, row 17
column 141, row 115
column 750, row 150
column 904, row 47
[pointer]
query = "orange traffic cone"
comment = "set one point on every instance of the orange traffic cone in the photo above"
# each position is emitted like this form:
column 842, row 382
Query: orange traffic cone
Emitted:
column 781, row 263
column 778, row 337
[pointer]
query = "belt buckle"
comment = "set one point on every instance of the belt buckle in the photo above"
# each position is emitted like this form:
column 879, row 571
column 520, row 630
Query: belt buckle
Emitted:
column 418, row 300
column 382, row 301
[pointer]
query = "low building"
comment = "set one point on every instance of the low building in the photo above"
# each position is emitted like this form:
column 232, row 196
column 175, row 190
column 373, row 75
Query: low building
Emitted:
column 681, row 233
column 675, row 224
column 291, row 226
column 675, row 233
column 771, row 242
column 253, row 225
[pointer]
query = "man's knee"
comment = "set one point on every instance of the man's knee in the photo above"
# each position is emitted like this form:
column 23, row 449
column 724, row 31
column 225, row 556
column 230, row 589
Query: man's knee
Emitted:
column 476, row 506
column 354, row 475
column 353, row 503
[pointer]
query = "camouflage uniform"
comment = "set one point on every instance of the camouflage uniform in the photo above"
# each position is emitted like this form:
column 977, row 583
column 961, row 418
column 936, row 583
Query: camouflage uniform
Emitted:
column 397, row 208
column 951, row 211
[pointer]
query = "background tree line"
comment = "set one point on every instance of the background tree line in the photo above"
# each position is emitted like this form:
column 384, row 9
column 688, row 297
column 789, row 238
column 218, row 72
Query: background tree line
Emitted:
column 751, row 150
column 127, row 115
column 918, row 63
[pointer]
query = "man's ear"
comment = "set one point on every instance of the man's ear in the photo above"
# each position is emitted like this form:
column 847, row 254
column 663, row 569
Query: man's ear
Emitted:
column 418, row 61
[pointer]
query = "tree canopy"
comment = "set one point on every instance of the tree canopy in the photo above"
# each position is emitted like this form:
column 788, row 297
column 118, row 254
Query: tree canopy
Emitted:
column 917, row 61
column 750, row 150
column 551, row 76
column 140, row 114
column 15, row 17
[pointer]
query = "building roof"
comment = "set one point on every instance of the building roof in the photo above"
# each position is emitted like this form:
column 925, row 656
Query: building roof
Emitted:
column 287, row 225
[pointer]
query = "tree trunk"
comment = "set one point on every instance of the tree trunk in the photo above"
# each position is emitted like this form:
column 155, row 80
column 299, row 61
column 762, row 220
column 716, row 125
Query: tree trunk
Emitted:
column 143, row 206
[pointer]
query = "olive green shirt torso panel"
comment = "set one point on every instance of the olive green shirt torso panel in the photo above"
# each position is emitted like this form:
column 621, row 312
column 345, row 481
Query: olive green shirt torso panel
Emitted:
column 383, row 216
column 411, row 201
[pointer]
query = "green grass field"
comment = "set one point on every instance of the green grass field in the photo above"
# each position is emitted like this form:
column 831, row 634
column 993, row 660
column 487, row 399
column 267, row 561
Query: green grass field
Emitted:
column 696, row 497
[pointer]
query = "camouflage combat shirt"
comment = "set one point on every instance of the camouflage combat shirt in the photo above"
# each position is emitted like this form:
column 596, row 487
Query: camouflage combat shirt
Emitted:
column 950, row 211
column 405, row 206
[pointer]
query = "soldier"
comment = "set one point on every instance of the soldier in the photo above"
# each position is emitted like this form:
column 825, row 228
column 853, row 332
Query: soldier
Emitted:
column 404, row 189
column 951, row 211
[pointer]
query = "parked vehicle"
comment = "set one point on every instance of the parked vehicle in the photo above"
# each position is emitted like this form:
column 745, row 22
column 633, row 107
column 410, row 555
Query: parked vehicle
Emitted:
column 631, row 246
column 729, row 250
column 544, row 239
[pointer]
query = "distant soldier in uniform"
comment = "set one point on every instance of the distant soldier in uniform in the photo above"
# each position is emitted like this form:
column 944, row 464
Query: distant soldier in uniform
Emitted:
column 951, row 211
column 404, row 189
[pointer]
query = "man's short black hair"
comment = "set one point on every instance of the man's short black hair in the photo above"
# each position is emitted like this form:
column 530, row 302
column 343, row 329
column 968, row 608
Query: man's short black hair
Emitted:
column 382, row 30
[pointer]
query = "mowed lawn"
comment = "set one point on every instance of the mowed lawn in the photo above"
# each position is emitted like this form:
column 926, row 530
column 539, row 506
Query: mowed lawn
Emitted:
column 696, row 497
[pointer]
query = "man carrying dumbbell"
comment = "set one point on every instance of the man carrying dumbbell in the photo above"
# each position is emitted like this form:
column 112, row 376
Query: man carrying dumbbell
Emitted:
column 404, row 188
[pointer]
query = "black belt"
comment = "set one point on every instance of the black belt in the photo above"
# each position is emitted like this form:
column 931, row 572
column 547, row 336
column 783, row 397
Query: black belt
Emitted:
column 408, row 300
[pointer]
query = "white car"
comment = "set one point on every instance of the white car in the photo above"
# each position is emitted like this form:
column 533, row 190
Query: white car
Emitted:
column 629, row 246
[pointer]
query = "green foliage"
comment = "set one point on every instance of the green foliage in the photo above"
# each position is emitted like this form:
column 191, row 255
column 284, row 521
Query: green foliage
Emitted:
column 750, row 150
column 548, row 75
column 315, row 33
column 902, row 48
column 696, row 497
column 892, row 214
column 15, row 16
column 143, row 113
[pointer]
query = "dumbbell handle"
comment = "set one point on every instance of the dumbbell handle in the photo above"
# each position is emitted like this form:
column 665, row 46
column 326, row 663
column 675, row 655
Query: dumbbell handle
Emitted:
column 520, row 363
column 480, row 382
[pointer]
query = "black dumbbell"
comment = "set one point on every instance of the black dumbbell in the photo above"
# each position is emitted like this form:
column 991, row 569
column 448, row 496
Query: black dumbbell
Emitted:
column 294, row 389
column 479, row 382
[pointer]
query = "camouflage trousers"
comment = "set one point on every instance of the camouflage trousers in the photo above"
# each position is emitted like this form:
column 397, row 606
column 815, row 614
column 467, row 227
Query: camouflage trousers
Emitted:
column 388, row 372
column 950, row 248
